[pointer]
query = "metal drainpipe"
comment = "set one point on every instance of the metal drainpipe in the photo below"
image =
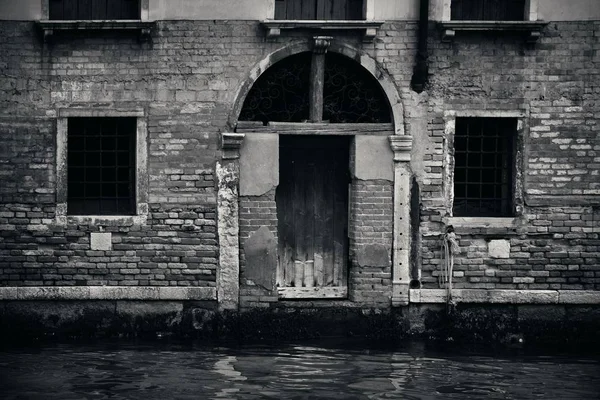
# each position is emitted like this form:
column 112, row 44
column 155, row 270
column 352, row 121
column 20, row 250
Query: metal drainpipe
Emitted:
column 420, row 71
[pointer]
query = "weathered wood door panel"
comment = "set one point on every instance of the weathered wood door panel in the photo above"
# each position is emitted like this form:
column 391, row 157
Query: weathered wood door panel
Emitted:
column 312, row 209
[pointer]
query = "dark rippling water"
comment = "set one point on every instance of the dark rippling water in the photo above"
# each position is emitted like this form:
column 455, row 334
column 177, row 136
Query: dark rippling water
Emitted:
column 317, row 371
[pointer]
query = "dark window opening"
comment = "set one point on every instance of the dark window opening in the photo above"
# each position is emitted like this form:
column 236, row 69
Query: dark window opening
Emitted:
column 484, row 167
column 487, row 10
column 94, row 9
column 350, row 93
column 101, row 166
column 319, row 9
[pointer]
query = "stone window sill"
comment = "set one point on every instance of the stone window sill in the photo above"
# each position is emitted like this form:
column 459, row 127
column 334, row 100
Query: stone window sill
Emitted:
column 313, row 293
column 532, row 29
column 369, row 28
column 49, row 27
column 484, row 225
column 103, row 220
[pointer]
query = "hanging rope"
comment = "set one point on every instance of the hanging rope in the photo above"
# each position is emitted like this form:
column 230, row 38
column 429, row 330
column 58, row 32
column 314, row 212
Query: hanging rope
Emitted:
column 450, row 248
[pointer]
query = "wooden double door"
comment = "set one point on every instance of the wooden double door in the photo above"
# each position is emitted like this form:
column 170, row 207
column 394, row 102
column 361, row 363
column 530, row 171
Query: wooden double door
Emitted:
column 312, row 211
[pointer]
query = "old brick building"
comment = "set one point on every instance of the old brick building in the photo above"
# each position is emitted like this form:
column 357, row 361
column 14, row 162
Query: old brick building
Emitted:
column 279, row 153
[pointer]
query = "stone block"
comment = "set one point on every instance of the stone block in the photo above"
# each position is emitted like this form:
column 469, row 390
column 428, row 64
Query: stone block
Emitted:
column 101, row 241
column 374, row 158
column 499, row 248
column 373, row 255
column 259, row 164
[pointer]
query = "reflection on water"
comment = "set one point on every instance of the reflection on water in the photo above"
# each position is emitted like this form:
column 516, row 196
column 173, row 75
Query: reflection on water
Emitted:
column 177, row 371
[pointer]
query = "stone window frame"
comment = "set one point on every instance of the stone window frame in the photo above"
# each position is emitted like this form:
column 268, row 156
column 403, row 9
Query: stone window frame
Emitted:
column 530, row 11
column 144, row 10
column 141, row 174
column 368, row 26
column 522, row 117
column 530, row 24
column 143, row 26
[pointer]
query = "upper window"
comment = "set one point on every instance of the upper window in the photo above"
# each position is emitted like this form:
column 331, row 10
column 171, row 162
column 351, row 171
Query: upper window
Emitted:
column 101, row 162
column 484, row 167
column 488, row 10
column 319, row 9
column 94, row 9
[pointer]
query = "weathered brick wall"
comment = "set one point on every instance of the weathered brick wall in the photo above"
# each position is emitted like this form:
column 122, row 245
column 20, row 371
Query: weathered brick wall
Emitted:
column 557, row 84
column 255, row 211
column 185, row 81
column 370, row 234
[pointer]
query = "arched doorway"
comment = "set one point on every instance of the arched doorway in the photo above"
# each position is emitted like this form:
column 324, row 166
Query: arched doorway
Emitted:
column 316, row 104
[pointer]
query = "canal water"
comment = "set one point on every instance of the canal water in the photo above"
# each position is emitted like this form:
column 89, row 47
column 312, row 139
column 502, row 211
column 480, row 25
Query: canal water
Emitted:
column 318, row 370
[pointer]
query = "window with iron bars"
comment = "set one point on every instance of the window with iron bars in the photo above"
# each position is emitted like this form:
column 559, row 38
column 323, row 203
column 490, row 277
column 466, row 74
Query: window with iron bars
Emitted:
column 101, row 164
column 484, row 167
column 487, row 10
column 94, row 9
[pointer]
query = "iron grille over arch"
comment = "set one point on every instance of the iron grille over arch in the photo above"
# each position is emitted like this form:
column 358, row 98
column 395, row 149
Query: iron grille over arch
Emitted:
column 350, row 93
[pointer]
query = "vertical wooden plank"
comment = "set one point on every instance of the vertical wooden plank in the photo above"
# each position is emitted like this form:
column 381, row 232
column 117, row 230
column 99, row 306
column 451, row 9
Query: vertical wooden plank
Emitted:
column 131, row 9
column 114, row 9
column 290, row 238
column 295, row 11
column 70, row 9
column 317, row 78
column 99, row 9
column 309, row 208
column 85, row 9
column 319, row 206
column 56, row 11
column 354, row 10
column 281, row 229
column 309, row 10
column 280, row 9
column 340, row 215
column 338, row 9
column 298, row 273
column 309, row 273
column 299, row 217
column 328, row 174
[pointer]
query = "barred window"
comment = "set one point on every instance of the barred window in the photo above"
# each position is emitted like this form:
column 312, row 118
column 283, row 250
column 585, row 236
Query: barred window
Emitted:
column 101, row 154
column 484, row 167
column 487, row 10
column 319, row 9
column 94, row 9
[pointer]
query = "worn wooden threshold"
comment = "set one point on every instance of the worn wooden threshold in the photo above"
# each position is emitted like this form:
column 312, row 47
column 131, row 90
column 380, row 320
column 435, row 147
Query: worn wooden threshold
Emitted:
column 339, row 292
column 315, row 128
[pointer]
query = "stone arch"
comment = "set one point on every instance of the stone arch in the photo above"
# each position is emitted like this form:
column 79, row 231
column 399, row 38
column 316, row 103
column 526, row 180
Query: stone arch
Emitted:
column 365, row 60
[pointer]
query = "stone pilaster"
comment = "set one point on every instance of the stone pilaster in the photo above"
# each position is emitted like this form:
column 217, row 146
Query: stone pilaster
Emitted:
column 228, row 177
column 401, row 146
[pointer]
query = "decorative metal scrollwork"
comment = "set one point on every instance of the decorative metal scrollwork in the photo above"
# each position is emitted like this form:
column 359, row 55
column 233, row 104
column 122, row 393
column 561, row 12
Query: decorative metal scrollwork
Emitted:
column 281, row 93
column 351, row 94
